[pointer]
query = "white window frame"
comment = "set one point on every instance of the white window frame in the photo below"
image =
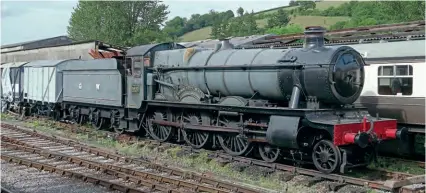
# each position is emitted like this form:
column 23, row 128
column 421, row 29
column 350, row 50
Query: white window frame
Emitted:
column 380, row 75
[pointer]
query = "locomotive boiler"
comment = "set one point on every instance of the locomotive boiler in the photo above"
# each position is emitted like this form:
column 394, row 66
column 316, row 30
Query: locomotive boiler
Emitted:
column 292, row 104
column 332, row 75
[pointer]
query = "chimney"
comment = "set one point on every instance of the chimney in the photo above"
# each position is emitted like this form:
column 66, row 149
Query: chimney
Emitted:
column 226, row 44
column 314, row 37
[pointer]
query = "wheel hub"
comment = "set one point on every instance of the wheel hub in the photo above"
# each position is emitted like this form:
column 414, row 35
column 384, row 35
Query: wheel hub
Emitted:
column 267, row 149
column 158, row 116
column 324, row 156
column 194, row 120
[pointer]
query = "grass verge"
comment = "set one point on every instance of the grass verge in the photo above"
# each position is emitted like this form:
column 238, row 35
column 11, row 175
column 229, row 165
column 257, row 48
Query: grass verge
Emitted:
column 200, row 163
column 174, row 156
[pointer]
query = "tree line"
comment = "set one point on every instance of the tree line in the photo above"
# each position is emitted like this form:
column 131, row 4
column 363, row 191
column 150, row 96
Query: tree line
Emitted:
column 130, row 23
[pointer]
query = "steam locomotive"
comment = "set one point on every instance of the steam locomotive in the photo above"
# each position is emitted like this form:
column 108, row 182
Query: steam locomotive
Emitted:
column 293, row 104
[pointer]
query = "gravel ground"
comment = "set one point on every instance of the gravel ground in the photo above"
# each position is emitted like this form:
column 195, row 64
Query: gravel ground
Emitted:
column 22, row 179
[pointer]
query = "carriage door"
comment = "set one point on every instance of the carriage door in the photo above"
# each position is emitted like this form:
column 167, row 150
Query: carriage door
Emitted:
column 134, row 68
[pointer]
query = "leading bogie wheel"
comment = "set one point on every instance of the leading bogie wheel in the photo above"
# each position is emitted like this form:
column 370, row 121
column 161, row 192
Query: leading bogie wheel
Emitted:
column 269, row 153
column 326, row 156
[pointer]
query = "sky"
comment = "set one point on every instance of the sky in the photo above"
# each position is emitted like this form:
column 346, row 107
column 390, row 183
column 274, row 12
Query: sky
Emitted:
column 31, row 20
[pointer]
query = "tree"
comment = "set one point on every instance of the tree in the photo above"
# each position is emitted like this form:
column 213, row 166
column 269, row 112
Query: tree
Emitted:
column 240, row 11
column 278, row 19
column 238, row 26
column 289, row 29
column 126, row 23
column 293, row 3
column 175, row 27
column 220, row 30
column 227, row 15
column 250, row 24
column 305, row 5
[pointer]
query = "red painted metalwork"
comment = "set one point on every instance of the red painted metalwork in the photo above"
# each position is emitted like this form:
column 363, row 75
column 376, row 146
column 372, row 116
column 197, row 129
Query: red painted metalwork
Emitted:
column 103, row 54
column 391, row 133
column 350, row 137
column 384, row 129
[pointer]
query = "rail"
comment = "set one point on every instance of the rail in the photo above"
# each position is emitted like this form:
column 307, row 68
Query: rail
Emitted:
column 5, row 190
column 200, row 183
column 341, row 179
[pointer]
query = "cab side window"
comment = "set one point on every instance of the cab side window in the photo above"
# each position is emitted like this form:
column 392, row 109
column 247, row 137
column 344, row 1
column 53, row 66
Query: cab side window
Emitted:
column 137, row 67
column 395, row 79
column 128, row 66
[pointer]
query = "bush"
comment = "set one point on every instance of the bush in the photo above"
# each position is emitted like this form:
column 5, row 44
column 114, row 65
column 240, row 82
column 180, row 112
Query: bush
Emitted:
column 289, row 29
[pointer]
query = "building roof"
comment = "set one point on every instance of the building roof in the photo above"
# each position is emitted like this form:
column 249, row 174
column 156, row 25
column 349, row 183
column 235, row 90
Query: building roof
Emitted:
column 45, row 63
column 65, row 38
column 236, row 41
column 12, row 64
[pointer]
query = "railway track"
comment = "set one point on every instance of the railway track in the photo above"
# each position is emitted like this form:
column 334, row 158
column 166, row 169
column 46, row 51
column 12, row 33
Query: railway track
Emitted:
column 397, row 180
column 5, row 190
column 99, row 167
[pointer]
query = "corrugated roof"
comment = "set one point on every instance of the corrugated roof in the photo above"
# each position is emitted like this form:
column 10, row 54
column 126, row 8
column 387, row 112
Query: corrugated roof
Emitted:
column 237, row 41
column 32, row 41
column 45, row 63
column 13, row 64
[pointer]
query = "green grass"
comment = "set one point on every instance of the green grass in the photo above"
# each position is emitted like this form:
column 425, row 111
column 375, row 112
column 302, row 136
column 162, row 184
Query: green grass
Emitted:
column 303, row 21
column 200, row 34
column 326, row 4
column 319, row 5
column 317, row 20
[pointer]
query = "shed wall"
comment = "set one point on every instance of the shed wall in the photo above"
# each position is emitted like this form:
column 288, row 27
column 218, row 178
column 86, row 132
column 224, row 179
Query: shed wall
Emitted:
column 52, row 53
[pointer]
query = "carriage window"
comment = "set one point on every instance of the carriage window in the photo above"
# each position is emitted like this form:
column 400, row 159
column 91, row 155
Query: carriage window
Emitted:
column 397, row 79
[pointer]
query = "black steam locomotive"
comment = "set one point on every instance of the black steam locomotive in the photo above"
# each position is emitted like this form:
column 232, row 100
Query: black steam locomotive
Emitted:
column 294, row 103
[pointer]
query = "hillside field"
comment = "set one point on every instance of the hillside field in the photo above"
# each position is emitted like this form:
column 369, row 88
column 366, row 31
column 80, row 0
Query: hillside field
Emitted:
column 204, row 33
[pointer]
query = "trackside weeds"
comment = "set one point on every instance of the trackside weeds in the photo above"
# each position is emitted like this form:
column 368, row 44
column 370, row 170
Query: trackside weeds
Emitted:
column 175, row 156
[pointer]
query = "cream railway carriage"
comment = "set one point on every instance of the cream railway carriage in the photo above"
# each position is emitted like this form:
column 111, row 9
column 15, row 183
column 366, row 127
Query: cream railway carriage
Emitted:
column 394, row 86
